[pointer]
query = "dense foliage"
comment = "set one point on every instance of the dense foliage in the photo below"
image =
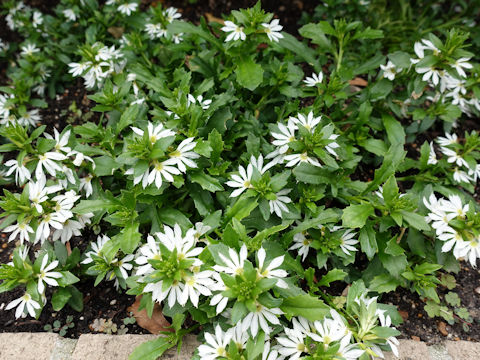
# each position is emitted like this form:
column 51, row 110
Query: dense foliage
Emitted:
column 236, row 171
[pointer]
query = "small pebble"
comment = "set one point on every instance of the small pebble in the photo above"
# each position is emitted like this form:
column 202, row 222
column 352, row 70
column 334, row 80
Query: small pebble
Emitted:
column 113, row 302
column 81, row 318
column 4, row 246
column 2, row 306
column 477, row 290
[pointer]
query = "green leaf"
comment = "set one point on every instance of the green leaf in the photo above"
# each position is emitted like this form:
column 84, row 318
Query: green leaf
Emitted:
column 76, row 301
column 128, row 117
column 207, row 182
column 355, row 216
column 249, row 74
column 390, row 190
column 415, row 220
column 391, row 161
column 307, row 306
column 105, row 166
column 400, row 59
column 368, row 241
column 67, row 279
column 86, row 206
column 395, row 132
column 383, row 283
column 60, row 298
column 301, row 50
column 151, row 350
column 129, row 238
column 331, row 276
column 242, row 208
column 452, row 298
column 216, row 142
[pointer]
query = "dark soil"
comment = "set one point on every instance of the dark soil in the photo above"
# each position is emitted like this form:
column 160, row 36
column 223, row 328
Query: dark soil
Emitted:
column 100, row 302
column 418, row 324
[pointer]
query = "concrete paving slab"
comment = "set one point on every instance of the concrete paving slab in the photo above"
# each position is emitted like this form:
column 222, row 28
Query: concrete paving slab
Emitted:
column 63, row 349
column 463, row 350
column 27, row 346
column 410, row 350
column 119, row 347
column 439, row 352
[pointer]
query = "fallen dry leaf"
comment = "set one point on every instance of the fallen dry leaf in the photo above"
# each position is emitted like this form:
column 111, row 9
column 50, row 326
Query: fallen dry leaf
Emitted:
column 211, row 18
column 415, row 338
column 116, row 31
column 358, row 81
column 155, row 324
column 403, row 314
column 442, row 327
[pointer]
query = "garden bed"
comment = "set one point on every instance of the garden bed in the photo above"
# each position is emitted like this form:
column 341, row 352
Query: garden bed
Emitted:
column 396, row 237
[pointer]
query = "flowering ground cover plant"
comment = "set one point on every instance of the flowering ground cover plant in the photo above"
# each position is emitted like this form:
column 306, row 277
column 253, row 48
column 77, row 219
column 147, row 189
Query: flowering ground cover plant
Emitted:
column 236, row 171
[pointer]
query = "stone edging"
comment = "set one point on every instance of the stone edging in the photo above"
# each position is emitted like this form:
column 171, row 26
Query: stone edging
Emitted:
column 49, row 346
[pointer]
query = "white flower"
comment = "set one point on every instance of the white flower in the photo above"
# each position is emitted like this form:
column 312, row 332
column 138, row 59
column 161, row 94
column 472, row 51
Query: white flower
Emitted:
column 70, row 14
column 302, row 243
column 293, row 343
column 205, row 104
column 348, row 242
column 37, row 19
column 454, row 205
column 234, row 263
column 22, row 302
column 295, row 159
column 386, row 321
column 21, row 172
column 429, row 73
column 80, row 157
column 154, row 133
column 177, row 38
column 329, row 330
column 47, row 275
column 428, row 45
column 437, row 216
column 262, row 316
column 432, row 157
column 22, row 228
column 309, row 122
column 419, row 50
column 47, row 161
column 173, row 294
column 43, row 230
column 149, row 251
column 219, row 300
column 239, row 336
column 461, row 64
column 124, row 265
column 242, row 182
column 29, row 50
column 236, row 32
column 96, row 249
column 273, row 30
column 390, row 70
column 86, row 183
column 314, row 80
column 160, row 169
column 271, row 271
column 64, row 203
column 185, row 245
column 278, row 206
column 70, row 228
column 183, row 154
column 155, row 30
column 171, row 14
column 60, row 141
column 332, row 145
column 30, row 118
column 258, row 164
column 215, row 346
column 286, row 135
column 461, row 176
column 449, row 139
column 127, row 8
column 77, row 69
column 37, row 192
column 196, row 284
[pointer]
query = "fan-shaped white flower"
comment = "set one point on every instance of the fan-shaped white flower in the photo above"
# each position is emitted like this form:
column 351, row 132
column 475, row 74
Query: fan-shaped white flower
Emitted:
column 261, row 317
column 302, row 243
column 314, row 80
column 184, row 154
column 273, row 30
column 236, row 32
column 286, row 135
column 271, row 271
column 47, row 275
column 309, row 122
column 23, row 302
column 242, row 182
column 278, row 206
column 216, row 345
column 234, row 263
column 23, row 229
column 22, row 174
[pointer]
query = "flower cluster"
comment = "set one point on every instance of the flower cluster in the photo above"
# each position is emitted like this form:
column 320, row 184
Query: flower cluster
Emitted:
column 456, row 224
column 302, row 141
column 98, row 63
column 156, row 26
